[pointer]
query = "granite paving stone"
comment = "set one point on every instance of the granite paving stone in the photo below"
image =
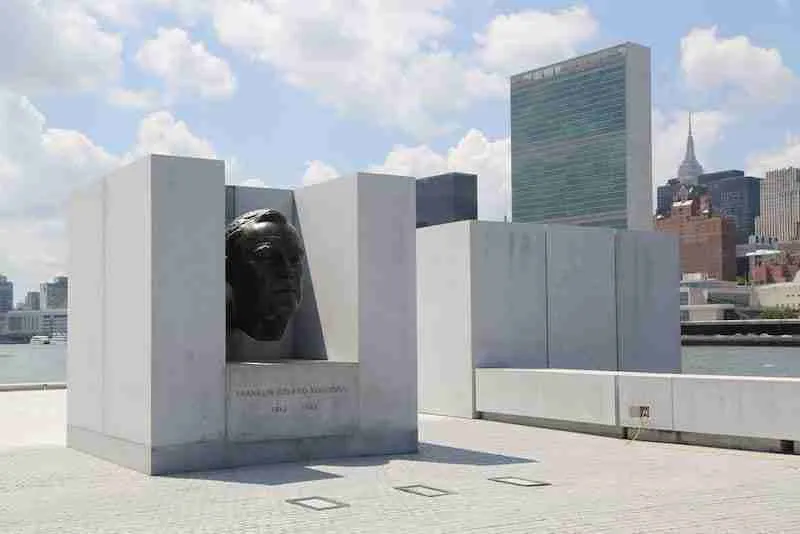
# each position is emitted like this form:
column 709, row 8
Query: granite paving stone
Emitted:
column 598, row 484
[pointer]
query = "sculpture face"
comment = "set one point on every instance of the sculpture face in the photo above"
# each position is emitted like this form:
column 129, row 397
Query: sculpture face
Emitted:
column 264, row 267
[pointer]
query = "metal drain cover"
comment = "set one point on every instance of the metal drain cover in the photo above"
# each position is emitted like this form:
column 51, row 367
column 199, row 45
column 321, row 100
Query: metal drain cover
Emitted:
column 425, row 491
column 519, row 481
column 317, row 503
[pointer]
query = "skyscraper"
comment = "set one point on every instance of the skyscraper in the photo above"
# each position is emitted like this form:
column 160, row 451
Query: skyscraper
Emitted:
column 53, row 295
column 688, row 172
column 665, row 195
column 580, row 140
column 689, row 169
column 736, row 196
column 780, row 205
column 445, row 198
column 32, row 301
column 6, row 294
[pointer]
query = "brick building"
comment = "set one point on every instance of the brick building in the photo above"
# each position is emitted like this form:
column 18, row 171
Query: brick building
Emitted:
column 707, row 241
column 779, row 267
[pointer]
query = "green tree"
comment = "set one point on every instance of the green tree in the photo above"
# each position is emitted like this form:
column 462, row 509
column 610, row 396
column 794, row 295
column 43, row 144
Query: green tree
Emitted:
column 778, row 313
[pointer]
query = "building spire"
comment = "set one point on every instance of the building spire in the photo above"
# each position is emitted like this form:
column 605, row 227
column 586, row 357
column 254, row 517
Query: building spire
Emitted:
column 690, row 168
column 690, row 144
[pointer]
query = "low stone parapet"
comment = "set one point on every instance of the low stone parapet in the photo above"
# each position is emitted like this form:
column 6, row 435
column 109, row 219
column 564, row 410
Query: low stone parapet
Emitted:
column 727, row 411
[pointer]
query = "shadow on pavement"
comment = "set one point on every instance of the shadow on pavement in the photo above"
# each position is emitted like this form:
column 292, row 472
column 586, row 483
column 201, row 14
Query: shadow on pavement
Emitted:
column 292, row 473
column 265, row 475
column 431, row 452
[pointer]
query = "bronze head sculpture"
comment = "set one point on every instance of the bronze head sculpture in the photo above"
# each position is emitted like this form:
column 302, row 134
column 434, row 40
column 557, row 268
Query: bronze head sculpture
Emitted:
column 264, row 268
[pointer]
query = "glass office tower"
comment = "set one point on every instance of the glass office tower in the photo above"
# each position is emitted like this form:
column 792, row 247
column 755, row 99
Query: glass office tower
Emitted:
column 580, row 141
column 736, row 196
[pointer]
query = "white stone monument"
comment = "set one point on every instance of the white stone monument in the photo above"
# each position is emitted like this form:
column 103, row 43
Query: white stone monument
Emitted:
column 534, row 296
column 149, row 384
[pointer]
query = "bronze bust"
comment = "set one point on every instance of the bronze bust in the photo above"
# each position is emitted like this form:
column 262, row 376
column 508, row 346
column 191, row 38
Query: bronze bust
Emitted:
column 264, row 269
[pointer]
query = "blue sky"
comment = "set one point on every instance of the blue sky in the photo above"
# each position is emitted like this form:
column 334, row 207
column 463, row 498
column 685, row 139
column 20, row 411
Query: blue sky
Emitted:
column 297, row 92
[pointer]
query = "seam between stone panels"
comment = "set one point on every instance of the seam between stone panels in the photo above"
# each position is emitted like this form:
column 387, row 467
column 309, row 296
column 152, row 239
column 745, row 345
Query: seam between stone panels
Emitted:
column 472, row 228
column 150, row 231
column 547, row 296
column 103, row 306
column 358, row 288
column 618, row 297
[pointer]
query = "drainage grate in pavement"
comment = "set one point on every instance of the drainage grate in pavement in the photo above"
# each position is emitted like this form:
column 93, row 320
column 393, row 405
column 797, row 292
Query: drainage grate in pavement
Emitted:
column 518, row 481
column 425, row 491
column 317, row 503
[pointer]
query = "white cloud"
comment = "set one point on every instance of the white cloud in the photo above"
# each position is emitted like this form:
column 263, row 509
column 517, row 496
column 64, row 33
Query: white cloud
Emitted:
column 40, row 166
column 358, row 56
column 188, row 11
column 318, row 171
column 75, row 149
column 527, row 39
column 55, row 46
column 416, row 161
column 160, row 133
column 388, row 60
column 474, row 153
column 47, row 160
column 35, row 158
column 130, row 12
column 385, row 61
column 669, row 139
column 712, row 62
column 120, row 12
column 490, row 161
column 185, row 66
column 252, row 182
column 786, row 156
column 128, row 98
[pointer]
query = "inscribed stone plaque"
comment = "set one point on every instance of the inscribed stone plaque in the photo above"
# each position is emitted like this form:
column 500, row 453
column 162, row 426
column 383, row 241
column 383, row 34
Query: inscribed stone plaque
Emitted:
column 291, row 399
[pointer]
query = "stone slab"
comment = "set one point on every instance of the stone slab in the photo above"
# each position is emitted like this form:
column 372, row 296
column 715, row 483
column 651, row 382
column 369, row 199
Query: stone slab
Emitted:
column 647, row 276
column 758, row 407
column 653, row 390
column 328, row 222
column 186, row 301
column 387, row 304
column 241, row 199
column 146, row 352
column 444, row 326
column 508, row 294
column 570, row 395
column 125, row 323
column 222, row 454
column 581, row 299
column 359, row 234
column 291, row 399
column 120, row 451
column 86, row 265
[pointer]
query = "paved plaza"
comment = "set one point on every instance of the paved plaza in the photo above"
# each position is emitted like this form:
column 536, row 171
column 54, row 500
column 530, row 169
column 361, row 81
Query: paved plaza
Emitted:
column 597, row 484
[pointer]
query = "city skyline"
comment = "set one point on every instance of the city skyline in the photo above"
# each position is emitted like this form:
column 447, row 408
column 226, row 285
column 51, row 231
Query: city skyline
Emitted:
column 418, row 89
column 49, row 294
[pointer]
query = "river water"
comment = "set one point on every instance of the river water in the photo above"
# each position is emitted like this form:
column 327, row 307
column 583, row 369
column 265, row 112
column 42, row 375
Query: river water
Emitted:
column 32, row 363
column 47, row 363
